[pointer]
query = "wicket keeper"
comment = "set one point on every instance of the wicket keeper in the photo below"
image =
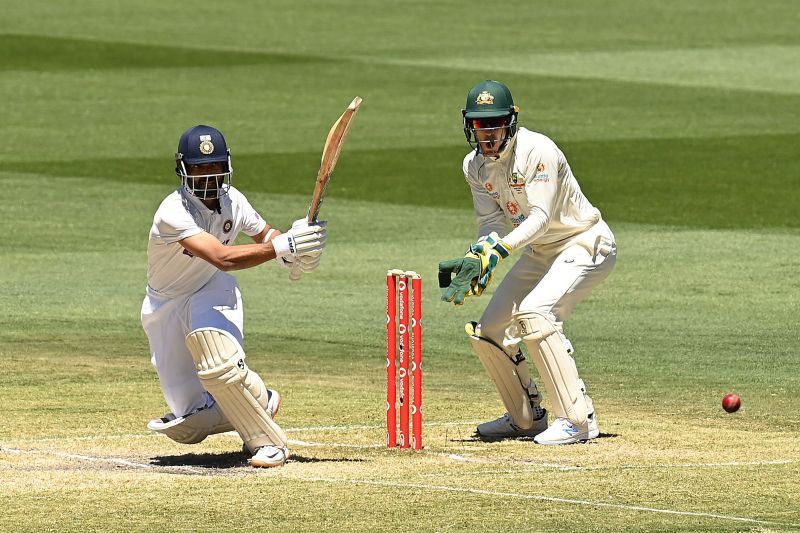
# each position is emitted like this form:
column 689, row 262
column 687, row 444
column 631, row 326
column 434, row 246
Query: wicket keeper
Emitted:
column 520, row 177
column 192, row 311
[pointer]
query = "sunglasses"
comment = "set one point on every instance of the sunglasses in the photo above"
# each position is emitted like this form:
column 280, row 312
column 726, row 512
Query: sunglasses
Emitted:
column 489, row 123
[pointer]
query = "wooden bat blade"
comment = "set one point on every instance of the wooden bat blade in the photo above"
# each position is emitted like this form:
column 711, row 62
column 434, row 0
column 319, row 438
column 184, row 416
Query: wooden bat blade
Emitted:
column 330, row 155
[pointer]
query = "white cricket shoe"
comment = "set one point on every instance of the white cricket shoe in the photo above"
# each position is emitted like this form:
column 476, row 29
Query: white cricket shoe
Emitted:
column 504, row 427
column 269, row 456
column 273, row 403
column 273, row 406
column 562, row 431
column 594, row 429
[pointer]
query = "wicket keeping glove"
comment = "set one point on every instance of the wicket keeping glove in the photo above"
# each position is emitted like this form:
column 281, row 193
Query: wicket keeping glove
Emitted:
column 491, row 250
column 466, row 270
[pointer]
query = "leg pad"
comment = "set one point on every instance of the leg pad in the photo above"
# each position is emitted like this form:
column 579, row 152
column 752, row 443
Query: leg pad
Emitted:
column 510, row 375
column 557, row 368
column 240, row 392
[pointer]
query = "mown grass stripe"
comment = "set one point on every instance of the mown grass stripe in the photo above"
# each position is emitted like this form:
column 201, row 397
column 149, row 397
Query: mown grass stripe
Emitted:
column 49, row 54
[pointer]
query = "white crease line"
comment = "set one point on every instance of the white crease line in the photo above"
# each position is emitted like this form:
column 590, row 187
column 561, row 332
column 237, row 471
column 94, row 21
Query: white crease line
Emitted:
column 466, row 459
column 697, row 465
column 110, row 460
column 333, row 444
column 455, row 456
column 588, row 503
column 287, row 430
column 419, row 486
column 557, row 466
column 349, row 428
column 91, row 437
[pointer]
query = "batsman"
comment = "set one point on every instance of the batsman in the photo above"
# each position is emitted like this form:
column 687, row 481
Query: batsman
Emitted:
column 520, row 178
column 192, row 310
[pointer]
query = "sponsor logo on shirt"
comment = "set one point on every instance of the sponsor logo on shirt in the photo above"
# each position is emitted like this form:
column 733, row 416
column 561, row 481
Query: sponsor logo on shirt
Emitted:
column 542, row 176
column 516, row 221
column 512, row 208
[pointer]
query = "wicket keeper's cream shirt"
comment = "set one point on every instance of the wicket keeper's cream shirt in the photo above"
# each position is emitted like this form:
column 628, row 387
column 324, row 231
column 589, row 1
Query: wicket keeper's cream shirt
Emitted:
column 173, row 271
column 531, row 186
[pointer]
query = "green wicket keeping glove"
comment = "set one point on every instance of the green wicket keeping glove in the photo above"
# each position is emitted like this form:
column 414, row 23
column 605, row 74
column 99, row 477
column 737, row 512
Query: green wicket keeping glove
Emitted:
column 491, row 250
column 466, row 270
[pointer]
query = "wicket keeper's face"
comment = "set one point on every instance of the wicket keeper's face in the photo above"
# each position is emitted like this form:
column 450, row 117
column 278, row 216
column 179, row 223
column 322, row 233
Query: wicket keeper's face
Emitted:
column 491, row 134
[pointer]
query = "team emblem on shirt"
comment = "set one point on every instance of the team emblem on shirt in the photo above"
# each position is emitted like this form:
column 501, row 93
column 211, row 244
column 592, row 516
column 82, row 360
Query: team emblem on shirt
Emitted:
column 540, row 167
column 226, row 227
column 488, row 186
column 485, row 98
column 513, row 208
column 516, row 182
column 206, row 146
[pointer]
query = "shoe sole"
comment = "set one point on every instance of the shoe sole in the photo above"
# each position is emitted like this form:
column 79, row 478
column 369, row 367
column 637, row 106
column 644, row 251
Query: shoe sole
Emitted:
column 572, row 440
column 500, row 436
column 264, row 464
column 259, row 463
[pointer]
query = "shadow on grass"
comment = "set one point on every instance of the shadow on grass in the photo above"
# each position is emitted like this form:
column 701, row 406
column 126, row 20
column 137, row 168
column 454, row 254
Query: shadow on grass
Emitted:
column 234, row 460
column 480, row 438
column 301, row 459
column 205, row 460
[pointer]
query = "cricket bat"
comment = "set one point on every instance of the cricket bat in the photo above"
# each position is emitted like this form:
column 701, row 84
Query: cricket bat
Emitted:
column 330, row 155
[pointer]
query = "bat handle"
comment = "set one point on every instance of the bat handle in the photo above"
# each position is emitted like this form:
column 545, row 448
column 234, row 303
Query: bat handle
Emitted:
column 295, row 273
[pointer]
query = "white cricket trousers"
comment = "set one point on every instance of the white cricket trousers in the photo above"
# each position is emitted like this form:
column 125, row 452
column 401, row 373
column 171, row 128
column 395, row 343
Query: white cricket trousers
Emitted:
column 167, row 322
column 549, row 284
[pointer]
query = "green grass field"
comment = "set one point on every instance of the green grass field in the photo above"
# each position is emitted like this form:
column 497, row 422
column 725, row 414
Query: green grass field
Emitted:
column 681, row 122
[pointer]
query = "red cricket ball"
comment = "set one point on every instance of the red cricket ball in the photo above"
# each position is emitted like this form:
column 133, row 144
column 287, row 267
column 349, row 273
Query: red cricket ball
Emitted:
column 731, row 403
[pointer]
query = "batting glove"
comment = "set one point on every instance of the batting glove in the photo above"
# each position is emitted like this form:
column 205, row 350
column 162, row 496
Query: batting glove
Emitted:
column 303, row 241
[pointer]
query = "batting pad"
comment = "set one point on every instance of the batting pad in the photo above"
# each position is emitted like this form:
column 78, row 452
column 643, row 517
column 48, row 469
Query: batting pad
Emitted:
column 510, row 375
column 240, row 393
column 194, row 427
column 555, row 365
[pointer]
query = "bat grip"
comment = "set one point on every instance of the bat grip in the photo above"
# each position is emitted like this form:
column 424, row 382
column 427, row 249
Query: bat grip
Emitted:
column 295, row 273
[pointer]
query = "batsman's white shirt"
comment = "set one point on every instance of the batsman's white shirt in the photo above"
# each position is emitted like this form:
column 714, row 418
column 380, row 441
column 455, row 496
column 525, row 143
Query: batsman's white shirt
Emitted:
column 172, row 270
column 185, row 292
column 568, row 248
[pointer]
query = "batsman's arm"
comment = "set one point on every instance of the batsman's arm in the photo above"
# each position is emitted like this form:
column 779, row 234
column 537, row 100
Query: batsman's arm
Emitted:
column 266, row 235
column 237, row 257
column 309, row 240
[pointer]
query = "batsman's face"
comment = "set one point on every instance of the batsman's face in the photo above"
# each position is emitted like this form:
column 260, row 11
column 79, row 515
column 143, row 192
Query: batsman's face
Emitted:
column 207, row 179
column 491, row 134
